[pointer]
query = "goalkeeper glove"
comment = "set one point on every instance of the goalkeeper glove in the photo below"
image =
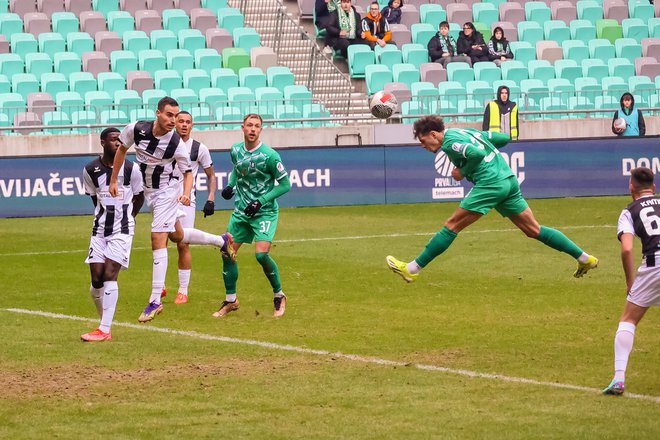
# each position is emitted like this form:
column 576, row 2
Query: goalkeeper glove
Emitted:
column 252, row 208
column 227, row 192
column 209, row 208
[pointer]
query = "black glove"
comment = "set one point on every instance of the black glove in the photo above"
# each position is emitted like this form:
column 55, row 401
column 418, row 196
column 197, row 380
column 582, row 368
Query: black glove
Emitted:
column 209, row 208
column 252, row 208
column 227, row 192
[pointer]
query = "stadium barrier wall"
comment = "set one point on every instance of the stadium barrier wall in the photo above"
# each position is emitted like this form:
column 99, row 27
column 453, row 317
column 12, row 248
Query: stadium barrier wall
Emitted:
column 39, row 186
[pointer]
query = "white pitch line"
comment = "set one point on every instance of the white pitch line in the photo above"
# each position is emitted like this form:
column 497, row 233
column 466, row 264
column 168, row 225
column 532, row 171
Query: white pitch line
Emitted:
column 309, row 240
column 352, row 357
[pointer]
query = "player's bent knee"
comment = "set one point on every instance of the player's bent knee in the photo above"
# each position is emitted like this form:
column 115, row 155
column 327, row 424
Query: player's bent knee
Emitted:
column 262, row 257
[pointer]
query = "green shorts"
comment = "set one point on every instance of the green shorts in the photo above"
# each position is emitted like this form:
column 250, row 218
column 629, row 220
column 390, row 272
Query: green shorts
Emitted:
column 261, row 227
column 504, row 196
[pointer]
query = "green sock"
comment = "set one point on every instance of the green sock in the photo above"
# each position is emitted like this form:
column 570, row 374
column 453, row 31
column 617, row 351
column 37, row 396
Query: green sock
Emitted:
column 230, row 275
column 270, row 269
column 557, row 240
column 437, row 245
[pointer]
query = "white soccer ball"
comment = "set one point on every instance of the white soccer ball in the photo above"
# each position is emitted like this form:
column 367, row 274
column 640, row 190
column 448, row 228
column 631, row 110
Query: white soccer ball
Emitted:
column 620, row 124
column 383, row 105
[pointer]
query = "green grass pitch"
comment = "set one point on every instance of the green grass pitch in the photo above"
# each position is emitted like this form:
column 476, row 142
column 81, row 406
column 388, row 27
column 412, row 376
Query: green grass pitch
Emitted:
column 495, row 340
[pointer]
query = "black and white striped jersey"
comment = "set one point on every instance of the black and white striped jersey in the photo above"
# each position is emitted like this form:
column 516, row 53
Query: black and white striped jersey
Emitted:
column 112, row 214
column 642, row 218
column 163, row 161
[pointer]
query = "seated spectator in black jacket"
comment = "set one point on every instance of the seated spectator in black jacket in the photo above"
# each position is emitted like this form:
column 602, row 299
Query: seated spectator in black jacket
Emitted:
column 344, row 28
column 442, row 47
column 498, row 47
column 392, row 12
column 471, row 43
column 322, row 13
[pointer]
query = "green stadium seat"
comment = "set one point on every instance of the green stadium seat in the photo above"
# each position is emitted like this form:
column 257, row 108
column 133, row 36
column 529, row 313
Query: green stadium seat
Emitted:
column 123, row 61
column 168, row 80
column 127, row 100
column 67, row 63
column 454, row 30
column 561, row 88
column 654, row 27
column 602, row 49
column 359, row 56
column 152, row 61
column 298, row 96
column 69, row 102
column 432, row 14
column 588, row 88
column 24, row 84
column 415, row 54
column 214, row 5
column 196, row 79
column 56, row 118
column 288, row 111
column 567, row 69
column 64, row 23
column 582, row 30
column 484, row 29
column 252, row 77
column 470, row 106
column 11, row 104
column 280, row 77
column 79, row 43
column 200, row 115
column 487, row 71
column 595, row 68
column 641, row 9
column 114, row 118
column 50, row 43
column 606, row 103
column 614, row 86
column 541, row 70
column 408, row 73
column 422, row 33
column 141, row 114
column 22, row 44
column 620, row 67
column 191, row 40
column 214, row 97
column 452, row 91
column 514, row 70
column 5, row 85
column 179, row 60
column 269, row 98
column 486, row 13
column 224, row 78
column 111, row 82
column 388, row 55
column 83, row 117
column 579, row 103
column 627, row 48
column 163, row 40
column 10, row 24
column 242, row 98
column 38, row 63
column 120, row 22
column 530, row 31
column 98, row 101
column 105, row 6
column 425, row 90
column 11, row 64
column 556, row 30
column 136, row 41
column 609, row 29
column 236, row 58
column 230, row 18
column 589, row 10
column 459, row 71
column 575, row 50
column 82, row 82
column 447, row 107
column 54, row 83
column 207, row 60
column 229, row 113
column 479, row 91
column 315, row 111
column 413, row 108
column 376, row 76
column 535, row 89
column 641, row 86
column 538, row 12
column 635, row 28
column 151, row 97
column 175, row 20
column 553, row 104
column 246, row 38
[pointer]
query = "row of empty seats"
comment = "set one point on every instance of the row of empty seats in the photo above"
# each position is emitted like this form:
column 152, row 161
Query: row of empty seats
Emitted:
column 49, row 7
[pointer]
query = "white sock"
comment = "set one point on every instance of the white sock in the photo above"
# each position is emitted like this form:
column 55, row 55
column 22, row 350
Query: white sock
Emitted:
column 97, row 297
column 413, row 267
column 109, row 304
column 623, row 344
column 279, row 294
column 230, row 298
column 195, row 236
column 583, row 258
column 184, row 281
column 159, row 274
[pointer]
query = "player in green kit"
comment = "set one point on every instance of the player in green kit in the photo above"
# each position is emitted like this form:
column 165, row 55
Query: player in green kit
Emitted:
column 257, row 167
column 476, row 156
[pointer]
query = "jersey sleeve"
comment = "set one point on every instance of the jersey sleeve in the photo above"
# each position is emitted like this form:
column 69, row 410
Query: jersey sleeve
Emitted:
column 89, row 185
column 276, row 167
column 625, row 224
column 182, row 158
column 127, row 135
column 498, row 140
column 204, row 157
column 136, row 180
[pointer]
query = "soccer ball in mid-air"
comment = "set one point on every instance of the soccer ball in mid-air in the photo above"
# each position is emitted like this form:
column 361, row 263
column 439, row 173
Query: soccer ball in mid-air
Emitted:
column 620, row 125
column 383, row 105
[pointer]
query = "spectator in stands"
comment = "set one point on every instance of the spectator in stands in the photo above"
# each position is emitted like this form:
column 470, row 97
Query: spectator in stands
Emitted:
column 471, row 43
column 344, row 28
column 442, row 47
column 392, row 12
column 375, row 29
column 323, row 12
column 498, row 47
column 635, row 125
column 501, row 115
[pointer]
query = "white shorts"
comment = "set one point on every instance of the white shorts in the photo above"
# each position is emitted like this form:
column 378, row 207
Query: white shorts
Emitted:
column 187, row 221
column 115, row 247
column 165, row 206
column 645, row 290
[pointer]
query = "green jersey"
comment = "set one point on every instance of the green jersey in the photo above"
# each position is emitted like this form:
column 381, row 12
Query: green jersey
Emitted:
column 476, row 154
column 254, row 175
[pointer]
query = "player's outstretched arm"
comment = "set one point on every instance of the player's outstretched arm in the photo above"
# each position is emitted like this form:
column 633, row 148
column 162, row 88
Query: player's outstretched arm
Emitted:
column 120, row 157
column 498, row 140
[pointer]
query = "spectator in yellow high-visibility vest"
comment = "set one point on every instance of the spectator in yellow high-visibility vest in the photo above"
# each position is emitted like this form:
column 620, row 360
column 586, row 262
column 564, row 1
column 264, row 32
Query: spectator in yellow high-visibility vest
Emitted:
column 501, row 114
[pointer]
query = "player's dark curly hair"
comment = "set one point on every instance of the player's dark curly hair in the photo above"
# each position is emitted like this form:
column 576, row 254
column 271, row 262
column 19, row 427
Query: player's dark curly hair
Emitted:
column 642, row 178
column 427, row 124
column 105, row 133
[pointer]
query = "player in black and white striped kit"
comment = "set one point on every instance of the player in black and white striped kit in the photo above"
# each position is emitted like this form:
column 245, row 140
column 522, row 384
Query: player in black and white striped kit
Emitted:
column 112, row 230
column 164, row 161
column 642, row 219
